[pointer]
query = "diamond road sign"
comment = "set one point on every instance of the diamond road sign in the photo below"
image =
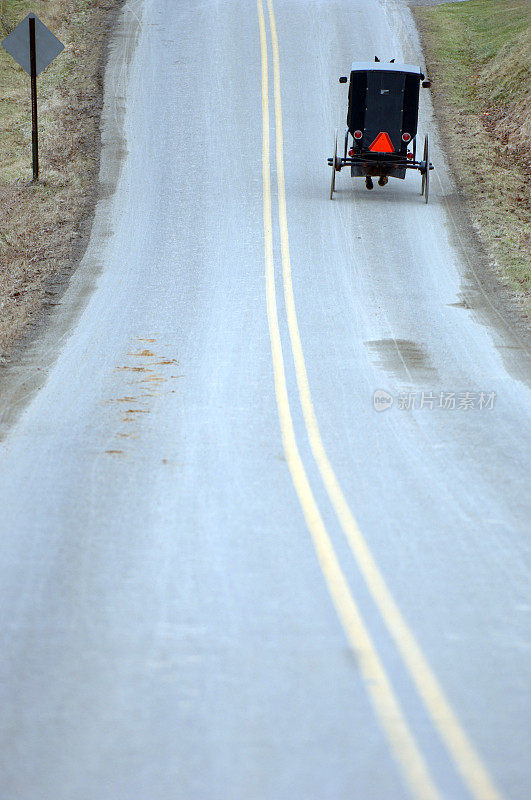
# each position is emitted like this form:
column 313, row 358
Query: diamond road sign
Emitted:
column 47, row 46
column 33, row 46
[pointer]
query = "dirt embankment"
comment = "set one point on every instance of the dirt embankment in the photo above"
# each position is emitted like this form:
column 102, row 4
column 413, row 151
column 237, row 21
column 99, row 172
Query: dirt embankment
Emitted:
column 478, row 54
column 44, row 226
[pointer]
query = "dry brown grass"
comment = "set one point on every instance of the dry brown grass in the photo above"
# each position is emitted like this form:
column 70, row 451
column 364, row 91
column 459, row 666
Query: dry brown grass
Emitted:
column 43, row 225
column 506, row 82
column 479, row 57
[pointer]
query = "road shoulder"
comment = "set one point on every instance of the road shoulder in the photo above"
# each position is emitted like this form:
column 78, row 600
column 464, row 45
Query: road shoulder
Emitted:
column 45, row 227
column 482, row 115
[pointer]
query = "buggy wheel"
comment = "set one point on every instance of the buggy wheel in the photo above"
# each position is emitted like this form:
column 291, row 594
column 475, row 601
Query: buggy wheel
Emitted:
column 425, row 189
column 334, row 162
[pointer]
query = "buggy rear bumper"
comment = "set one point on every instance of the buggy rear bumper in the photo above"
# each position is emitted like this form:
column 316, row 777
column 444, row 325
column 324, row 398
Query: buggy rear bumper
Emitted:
column 391, row 165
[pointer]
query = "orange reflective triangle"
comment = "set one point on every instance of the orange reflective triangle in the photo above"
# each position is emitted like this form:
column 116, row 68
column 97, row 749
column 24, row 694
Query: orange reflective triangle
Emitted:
column 382, row 144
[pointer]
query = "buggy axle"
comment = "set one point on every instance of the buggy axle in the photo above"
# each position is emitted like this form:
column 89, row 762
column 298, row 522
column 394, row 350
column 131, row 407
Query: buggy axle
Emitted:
column 375, row 168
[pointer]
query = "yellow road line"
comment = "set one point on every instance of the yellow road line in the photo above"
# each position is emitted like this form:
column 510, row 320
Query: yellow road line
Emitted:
column 387, row 706
column 465, row 757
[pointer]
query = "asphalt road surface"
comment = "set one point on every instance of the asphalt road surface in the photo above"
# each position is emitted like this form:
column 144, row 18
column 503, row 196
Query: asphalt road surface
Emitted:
column 225, row 575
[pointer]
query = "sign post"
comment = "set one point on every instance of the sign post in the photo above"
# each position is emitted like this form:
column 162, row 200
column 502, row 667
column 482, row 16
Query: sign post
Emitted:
column 33, row 75
column 34, row 47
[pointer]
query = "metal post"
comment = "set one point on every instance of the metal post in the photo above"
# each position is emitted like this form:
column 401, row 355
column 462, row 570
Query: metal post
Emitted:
column 34, row 130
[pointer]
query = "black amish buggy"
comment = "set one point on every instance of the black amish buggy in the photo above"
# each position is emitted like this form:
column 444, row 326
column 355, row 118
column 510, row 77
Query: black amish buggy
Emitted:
column 383, row 105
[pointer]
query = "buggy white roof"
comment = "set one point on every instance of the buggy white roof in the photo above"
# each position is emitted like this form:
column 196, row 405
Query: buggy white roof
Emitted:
column 366, row 66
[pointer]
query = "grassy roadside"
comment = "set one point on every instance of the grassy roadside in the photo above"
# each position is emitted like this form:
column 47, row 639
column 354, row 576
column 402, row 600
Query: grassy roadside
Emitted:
column 478, row 55
column 43, row 226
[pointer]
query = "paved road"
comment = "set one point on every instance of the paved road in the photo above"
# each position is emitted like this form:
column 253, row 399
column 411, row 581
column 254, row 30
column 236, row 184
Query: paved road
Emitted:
column 224, row 575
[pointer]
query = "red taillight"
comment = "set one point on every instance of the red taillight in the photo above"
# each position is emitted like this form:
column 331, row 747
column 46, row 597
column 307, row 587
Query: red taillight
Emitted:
column 406, row 137
column 410, row 155
column 351, row 152
column 358, row 134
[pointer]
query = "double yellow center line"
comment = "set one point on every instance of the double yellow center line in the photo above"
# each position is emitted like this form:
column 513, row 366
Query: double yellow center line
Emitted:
column 387, row 707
